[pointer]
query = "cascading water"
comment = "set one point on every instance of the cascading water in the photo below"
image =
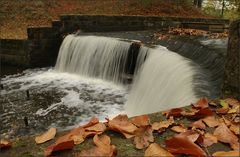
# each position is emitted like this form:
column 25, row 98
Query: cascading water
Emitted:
column 99, row 57
column 164, row 81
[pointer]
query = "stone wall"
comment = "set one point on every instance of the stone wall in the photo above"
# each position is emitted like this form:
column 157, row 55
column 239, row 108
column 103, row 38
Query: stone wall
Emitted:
column 231, row 86
column 100, row 23
column 14, row 52
column 41, row 47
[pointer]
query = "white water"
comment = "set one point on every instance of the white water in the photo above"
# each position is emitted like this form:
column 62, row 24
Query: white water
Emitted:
column 98, row 57
column 165, row 81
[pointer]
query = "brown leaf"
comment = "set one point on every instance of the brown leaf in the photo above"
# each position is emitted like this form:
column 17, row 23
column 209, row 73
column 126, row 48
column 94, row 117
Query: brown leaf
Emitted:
column 5, row 144
column 211, row 121
column 182, row 144
column 202, row 103
column 143, row 136
column 103, row 147
column 92, row 122
column 198, row 124
column 122, row 125
column 175, row 112
column 190, row 134
column 63, row 143
column 232, row 102
column 208, row 139
column 204, row 112
column 191, row 112
column 228, row 154
column 234, row 109
column 99, row 127
column 156, row 150
column 235, row 128
column 50, row 134
column 225, row 135
column 142, row 120
column 179, row 128
column 162, row 125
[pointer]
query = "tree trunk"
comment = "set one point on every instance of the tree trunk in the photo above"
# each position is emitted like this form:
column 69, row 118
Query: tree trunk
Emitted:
column 223, row 7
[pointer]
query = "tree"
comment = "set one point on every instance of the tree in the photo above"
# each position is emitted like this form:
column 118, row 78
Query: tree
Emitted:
column 198, row 3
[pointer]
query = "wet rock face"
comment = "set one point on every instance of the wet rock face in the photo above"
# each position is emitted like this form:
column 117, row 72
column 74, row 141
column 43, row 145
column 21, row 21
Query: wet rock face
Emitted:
column 231, row 86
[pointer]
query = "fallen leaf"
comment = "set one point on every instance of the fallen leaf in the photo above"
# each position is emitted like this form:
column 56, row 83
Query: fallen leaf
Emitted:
column 190, row 134
column 103, row 147
column 162, row 125
column 92, row 122
column 179, row 128
column 235, row 128
column 228, row 154
column 99, row 127
column 204, row 112
column 181, row 144
column 208, row 140
column 156, row 150
column 232, row 102
column 122, row 125
column 198, row 124
column 142, row 120
column 234, row 109
column 191, row 112
column 202, row 103
column 211, row 121
column 225, row 135
column 50, row 134
column 63, row 143
column 143, row 136
column 175, row 112
column 5, row 144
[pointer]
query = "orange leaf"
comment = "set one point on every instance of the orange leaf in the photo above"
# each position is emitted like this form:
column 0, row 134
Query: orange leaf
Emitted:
column 162, row 125
column 103, row 147
column 156, row 150
column 61, row 144
column 5, row 144
column 235, row 128
column 178, row 129
column 50, row 134
column 143, row 136
column 181, row 144
column 198, row 124
column 203, row 113
column 232, row 102
column 211, row 121
column 225, row 135
column 202, row 103
column 228, row 154
column 122, row 125
column 142, row 120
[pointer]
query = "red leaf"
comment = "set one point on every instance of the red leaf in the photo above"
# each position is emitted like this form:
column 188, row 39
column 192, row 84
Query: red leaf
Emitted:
column 5, row 144
column 203, row 113
column 180, row 144
column 202, row 103
column 175, row 112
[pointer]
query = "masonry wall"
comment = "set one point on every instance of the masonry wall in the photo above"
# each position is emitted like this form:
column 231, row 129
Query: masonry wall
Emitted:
column 231, row 86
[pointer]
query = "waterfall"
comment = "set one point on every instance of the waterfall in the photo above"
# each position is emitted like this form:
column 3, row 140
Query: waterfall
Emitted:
column 165, row 81
column 162, row 79
column 92, row 56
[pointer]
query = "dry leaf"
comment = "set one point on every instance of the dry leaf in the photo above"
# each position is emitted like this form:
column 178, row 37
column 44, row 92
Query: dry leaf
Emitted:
column 225, row 135
column 143, row 136
column 202, row 103
column 175, row 112
column 228, row 154
column 103, row 147
column 235, row 128
column 122, row 125
column 5, row 144
column 179, row 128
column 211, row 121
column 162, row 125
column 232, row 102
column 208, row 140
column 198, row 124
column 156, row 150
column 142, row 120
column 92, row 122
column 50, row 134
column 182, row 144
column 204, row 112
column 61, row 144
column 234, row 109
